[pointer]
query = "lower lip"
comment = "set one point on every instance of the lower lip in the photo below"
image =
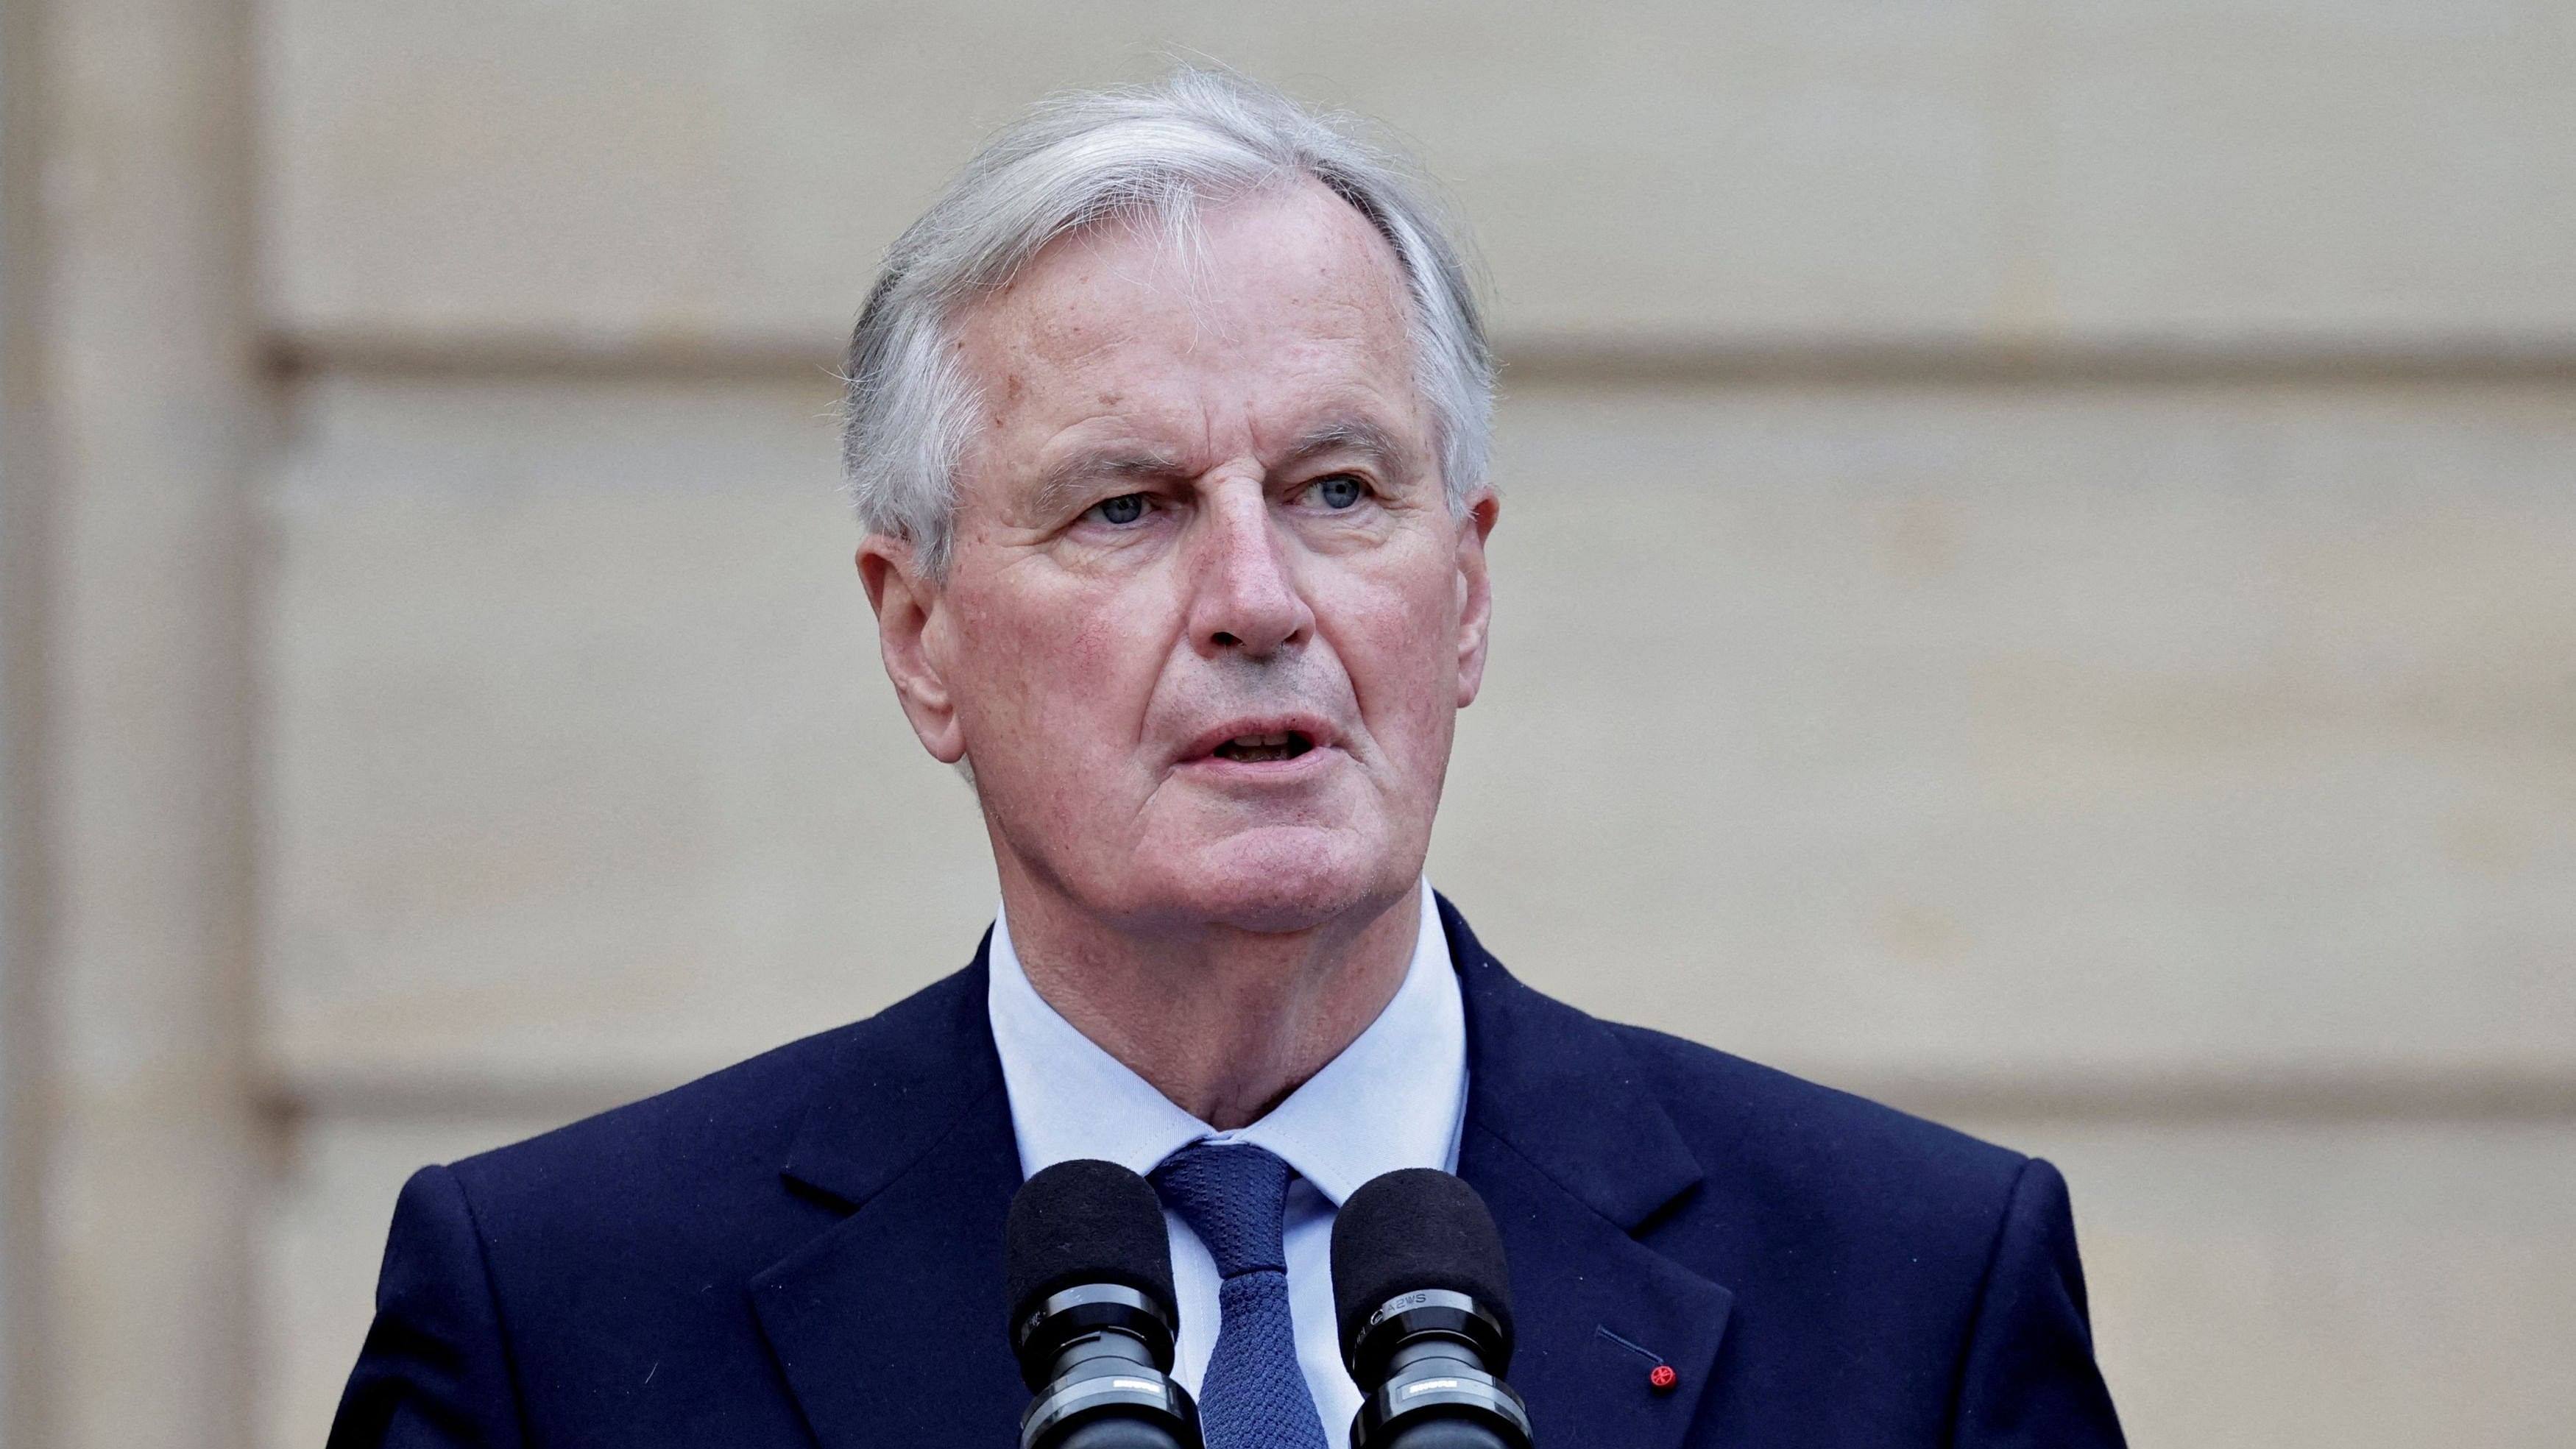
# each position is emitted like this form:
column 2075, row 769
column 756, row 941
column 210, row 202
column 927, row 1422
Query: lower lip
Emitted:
column 1218, row 768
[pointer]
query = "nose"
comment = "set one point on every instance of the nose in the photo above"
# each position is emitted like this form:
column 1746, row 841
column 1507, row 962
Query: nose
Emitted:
column 1245, row 598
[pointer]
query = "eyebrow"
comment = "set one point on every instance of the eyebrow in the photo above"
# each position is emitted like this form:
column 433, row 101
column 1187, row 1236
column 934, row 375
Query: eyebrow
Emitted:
column 1083, row 471
column 1351, row 435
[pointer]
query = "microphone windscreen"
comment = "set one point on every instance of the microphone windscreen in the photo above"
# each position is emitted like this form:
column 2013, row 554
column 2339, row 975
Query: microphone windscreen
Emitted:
column 1087, row 1221
column 1412, row 1229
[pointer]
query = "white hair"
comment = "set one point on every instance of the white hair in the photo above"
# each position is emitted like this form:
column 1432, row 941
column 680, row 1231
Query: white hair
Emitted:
column 1155, row 152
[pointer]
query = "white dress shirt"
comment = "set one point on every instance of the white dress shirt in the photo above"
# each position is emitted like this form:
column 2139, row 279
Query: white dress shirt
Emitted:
column 1396, row 1097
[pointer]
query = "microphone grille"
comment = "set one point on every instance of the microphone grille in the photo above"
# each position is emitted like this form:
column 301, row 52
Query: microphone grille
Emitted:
column 1086, row 1221
column 1413, row 1229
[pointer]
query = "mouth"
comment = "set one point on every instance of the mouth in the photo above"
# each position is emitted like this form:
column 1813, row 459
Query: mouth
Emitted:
column 1262, row 748
column 1262, row 740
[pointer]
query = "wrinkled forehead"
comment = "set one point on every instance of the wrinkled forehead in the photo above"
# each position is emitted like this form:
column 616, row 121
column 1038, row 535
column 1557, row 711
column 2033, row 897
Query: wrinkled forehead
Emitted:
column 1261, row 318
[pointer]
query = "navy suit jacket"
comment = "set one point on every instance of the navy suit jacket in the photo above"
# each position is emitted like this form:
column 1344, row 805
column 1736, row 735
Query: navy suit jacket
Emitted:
column 806, row 1249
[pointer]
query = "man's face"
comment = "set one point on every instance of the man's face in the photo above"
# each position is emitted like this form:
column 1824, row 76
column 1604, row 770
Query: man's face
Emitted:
column 1209, row 617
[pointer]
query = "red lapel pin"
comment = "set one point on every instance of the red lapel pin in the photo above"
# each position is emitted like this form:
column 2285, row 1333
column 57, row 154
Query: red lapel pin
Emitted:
column 1662, row 1376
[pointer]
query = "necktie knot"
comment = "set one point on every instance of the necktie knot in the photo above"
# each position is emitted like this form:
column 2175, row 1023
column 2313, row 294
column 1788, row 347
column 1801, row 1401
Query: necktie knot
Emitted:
column 1235, row 1197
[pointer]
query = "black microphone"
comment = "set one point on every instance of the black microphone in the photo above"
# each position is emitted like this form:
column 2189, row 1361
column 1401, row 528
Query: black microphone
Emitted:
column 1092, row 1313
column 1424, row 1300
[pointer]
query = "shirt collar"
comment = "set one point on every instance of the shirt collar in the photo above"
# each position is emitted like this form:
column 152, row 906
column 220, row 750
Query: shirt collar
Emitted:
column 1395, row 1097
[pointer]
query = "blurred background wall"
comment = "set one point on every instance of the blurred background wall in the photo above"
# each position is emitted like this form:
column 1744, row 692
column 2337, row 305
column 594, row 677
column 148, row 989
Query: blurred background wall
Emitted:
column 2038, row 582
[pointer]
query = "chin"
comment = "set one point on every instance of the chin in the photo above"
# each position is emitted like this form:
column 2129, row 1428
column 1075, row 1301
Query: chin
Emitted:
column 1288, row 879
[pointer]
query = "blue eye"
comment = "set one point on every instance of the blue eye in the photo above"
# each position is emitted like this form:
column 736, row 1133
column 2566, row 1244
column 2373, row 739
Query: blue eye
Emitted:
column 1339, row 491
column 1124, row 509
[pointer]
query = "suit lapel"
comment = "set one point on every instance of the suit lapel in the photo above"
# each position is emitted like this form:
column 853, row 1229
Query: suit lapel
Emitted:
column 889, row 1325
column 1574, row 1156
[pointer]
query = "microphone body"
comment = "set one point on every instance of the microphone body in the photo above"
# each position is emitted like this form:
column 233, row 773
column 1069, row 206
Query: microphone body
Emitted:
column 1092, row 1314
column 1424, row 1301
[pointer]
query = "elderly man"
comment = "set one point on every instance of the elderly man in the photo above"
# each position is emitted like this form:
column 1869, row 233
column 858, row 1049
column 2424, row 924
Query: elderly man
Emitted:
column 1167, row 423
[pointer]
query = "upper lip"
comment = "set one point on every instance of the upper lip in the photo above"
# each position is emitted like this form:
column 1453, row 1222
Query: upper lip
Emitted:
column 1317, row 732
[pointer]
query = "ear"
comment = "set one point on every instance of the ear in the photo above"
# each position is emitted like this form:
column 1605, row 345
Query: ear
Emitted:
column 908, row 605
column 1475, row 590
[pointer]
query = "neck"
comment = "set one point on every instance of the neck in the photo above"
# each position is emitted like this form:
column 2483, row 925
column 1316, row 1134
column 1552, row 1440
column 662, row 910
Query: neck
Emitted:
column 1224, row 1022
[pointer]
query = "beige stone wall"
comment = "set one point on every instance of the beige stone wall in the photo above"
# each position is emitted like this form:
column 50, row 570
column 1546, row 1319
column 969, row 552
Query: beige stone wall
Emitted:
column 2034, row 583
column 136, row 418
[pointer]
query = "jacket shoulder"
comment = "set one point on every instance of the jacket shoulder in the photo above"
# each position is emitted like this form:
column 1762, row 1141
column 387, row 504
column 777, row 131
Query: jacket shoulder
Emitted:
column 598, row 1276
column 1770, row 1147
column 725, row 1135
column 1783, row 1146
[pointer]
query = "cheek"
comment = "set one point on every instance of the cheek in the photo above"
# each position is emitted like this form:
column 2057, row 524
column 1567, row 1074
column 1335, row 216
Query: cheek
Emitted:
column 1061, row 675
column 1403, row 656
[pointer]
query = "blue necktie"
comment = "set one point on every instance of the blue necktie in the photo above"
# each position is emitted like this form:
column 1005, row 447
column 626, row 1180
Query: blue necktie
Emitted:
column 1236, row 1199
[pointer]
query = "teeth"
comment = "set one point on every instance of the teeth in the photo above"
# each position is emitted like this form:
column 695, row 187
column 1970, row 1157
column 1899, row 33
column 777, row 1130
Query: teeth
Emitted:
column 1276, row 745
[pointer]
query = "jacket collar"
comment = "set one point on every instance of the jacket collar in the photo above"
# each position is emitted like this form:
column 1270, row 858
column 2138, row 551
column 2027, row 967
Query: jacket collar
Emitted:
column 1573, row 1153
column 1557, row 1086
column 902, row 1081
column 888, row 1325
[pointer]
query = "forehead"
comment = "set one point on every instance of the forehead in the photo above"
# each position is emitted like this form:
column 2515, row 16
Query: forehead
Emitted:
column 1283, row 308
